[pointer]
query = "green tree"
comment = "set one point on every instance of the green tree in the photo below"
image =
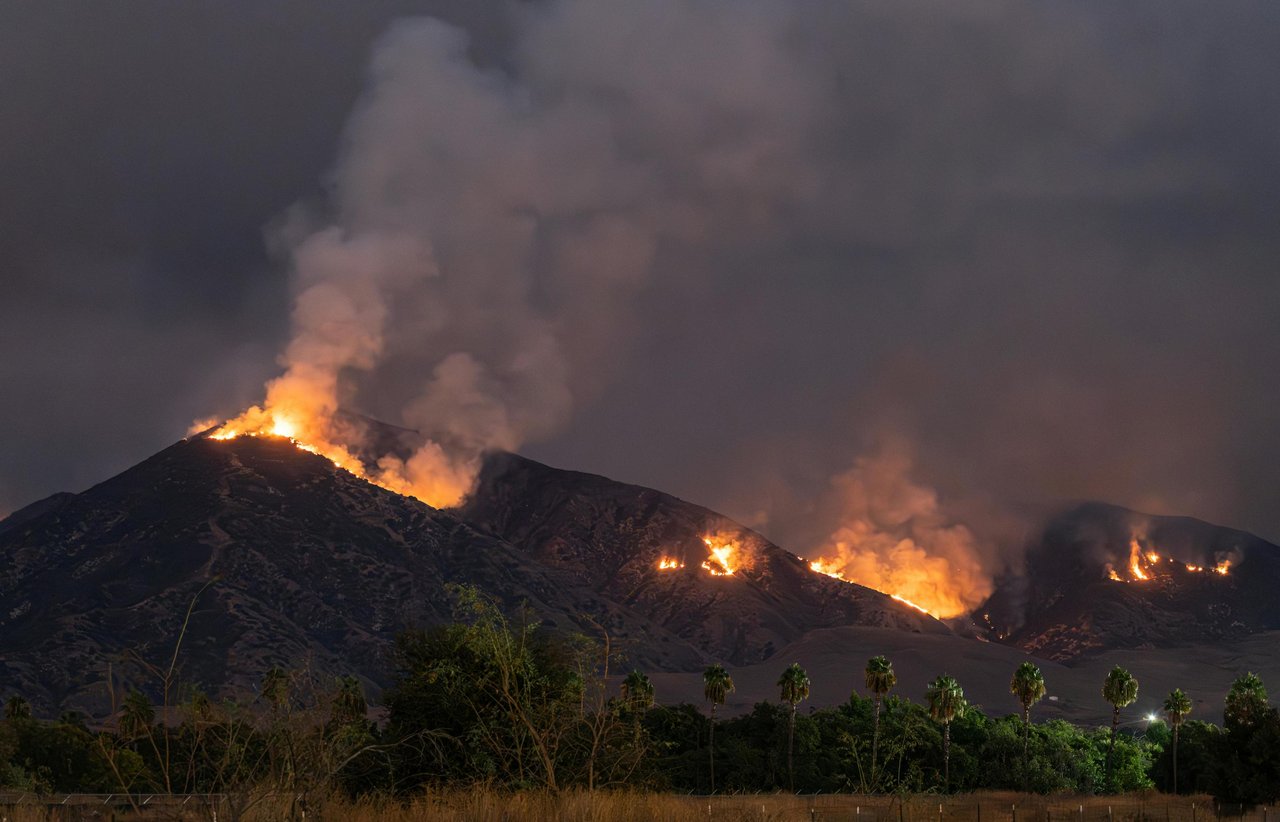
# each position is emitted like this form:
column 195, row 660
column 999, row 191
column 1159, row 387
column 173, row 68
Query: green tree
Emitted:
column 136, row 716
column 349, row 705
column 637, row 696
column 946, row 703
column 794, row 684
column 1120, row 689
column 1028, row 686
column 880, row 679
column 716, row 685
column 1246, row 702
column 1176, row 707
column 637, row 692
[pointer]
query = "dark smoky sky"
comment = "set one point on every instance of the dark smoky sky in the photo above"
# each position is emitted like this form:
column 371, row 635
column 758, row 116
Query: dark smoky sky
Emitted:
column 1036, row 242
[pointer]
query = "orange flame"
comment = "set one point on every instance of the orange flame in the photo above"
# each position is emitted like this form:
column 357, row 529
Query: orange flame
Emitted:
column 1141, row 564
column 919, row 608
column 1135, row 560
column 429, row 476
column 669, row 563
column 726, row 557
column 827, row 567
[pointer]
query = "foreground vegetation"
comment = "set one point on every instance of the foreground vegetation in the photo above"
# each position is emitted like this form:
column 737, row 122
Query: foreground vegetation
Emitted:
column 486, row 703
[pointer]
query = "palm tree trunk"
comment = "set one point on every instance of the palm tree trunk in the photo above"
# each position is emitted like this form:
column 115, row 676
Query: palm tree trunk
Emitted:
column 1175, row 759
column 946, row 757
column 1026, row 742
column 1111, row 745
column 791, row 746
column 875, row 742
column 712, row 747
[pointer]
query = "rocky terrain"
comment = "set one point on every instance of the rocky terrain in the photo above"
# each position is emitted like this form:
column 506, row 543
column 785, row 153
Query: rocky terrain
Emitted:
column 307, row 565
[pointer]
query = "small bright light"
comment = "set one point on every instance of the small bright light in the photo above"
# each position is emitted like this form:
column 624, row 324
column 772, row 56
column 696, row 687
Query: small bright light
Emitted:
column 1152, row 717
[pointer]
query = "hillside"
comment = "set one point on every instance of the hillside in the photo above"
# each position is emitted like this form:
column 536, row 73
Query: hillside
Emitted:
column 309, row 566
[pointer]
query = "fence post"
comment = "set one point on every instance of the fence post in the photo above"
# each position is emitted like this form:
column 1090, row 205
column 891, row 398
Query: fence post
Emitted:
column 1015, row 812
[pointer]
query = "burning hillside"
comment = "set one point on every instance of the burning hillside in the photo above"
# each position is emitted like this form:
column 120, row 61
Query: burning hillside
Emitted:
column 1102, row 577
column 1145, row 564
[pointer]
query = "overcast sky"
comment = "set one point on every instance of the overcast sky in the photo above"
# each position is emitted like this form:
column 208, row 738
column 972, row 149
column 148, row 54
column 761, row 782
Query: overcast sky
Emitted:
column 1032, row 246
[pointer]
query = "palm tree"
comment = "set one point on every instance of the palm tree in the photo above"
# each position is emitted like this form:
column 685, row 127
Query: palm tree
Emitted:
column 349, row 705
column 1120, row 689
column 1176, row 706
column 794, row 683
column 1246, row 702
column 637, row 696
column 880, row 680
column 136, row 715
column 1028, row 686
column 17, row 708
column 716, row 685
column 946, row 703
column 275, row 688
column 637, row 692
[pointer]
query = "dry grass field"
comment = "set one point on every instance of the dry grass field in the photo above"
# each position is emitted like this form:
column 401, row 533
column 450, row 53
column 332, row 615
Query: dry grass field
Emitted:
column 496, row 806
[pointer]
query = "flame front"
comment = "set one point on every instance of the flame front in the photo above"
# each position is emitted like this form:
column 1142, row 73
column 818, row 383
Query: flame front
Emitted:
column 827, row 567
column 919, row 608
column 429, row 476
column 669, row 564
column 1144, row 565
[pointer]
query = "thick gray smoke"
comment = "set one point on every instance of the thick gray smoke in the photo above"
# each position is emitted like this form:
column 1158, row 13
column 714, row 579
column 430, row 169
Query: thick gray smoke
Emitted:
column 491, row 227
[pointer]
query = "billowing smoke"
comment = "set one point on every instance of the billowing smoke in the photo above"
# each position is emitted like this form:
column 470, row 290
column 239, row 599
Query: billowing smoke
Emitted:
column 890, row 532
column 488, row 226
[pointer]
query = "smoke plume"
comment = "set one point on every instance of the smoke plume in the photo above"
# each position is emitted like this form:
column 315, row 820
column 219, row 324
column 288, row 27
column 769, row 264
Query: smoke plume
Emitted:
column 488, row 227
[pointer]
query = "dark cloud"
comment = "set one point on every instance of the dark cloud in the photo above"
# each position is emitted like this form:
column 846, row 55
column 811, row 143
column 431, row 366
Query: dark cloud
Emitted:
column 1031, row 245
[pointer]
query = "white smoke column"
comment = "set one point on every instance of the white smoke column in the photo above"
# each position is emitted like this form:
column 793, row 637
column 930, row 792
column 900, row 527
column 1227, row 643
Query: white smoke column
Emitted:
column 893, row 534
column 488, row 228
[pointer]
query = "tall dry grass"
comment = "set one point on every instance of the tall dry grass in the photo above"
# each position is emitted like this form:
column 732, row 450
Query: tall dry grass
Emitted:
column 578, row 806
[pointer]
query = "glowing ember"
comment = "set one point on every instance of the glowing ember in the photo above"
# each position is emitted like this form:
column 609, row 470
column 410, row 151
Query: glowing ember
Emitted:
column 1195, row 569
column 669, row 564
column 1222, row 567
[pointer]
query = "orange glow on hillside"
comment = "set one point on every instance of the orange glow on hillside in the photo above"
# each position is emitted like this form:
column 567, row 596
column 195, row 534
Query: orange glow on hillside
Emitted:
column 1135, row 560
column 720, row 563
column 428, row 476
column 1144, row 564
column 919, row 608
column 826, row 567
column 669, row 564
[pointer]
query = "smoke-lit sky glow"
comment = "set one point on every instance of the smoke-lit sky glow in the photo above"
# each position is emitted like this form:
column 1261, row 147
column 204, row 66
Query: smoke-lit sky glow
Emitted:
column 878, row 275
